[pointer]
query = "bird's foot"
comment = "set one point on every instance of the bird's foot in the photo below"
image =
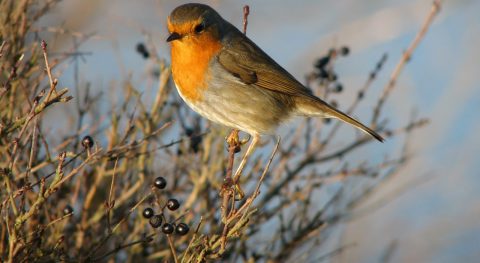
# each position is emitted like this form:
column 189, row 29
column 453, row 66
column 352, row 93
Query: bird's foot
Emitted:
column 233, row 140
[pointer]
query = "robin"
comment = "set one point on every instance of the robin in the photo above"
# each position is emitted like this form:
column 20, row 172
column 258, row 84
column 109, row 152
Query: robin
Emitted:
column 225, row 77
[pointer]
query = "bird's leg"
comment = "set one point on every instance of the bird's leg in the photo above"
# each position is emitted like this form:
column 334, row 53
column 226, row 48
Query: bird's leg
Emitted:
column 239, row 171
column 249, row 152
column 234, row 140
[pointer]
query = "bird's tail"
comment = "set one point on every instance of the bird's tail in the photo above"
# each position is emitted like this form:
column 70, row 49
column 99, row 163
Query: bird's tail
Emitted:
column 318, row 107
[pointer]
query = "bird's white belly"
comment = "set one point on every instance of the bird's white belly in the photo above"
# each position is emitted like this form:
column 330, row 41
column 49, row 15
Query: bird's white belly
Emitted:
column 214, row 111
column 232, row 103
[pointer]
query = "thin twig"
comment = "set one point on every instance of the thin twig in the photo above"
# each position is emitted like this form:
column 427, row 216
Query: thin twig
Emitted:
column 119, row 248
column 111, row 202
column 103, row 241
column 172, row 248
column 1, row 48
column 255, row 193
column 40, row 108
column 194, row 237
column 53, row 83
column 405, row 58
column 361, row 93
column 246, row 12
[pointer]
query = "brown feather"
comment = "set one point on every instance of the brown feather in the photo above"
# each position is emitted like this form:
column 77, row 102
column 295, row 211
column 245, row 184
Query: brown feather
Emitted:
column 246, row 61
column 241, row 57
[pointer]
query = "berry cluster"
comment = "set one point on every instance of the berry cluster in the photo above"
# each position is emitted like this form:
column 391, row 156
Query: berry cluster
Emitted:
column 156, row 220
column 324, row 70
column 194, row 134
column 325, row 74
column 142, row 50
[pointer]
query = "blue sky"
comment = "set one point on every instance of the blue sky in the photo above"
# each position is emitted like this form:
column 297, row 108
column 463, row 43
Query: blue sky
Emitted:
column 435, row 221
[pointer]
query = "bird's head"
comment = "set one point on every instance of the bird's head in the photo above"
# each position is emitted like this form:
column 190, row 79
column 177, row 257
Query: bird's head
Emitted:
column 193, row 23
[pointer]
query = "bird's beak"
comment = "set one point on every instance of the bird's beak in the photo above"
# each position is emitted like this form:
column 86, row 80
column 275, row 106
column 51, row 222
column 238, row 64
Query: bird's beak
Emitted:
column 173, row 36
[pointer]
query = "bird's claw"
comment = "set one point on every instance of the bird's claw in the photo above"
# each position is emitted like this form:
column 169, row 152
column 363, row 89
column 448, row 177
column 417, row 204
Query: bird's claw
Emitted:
column 232, row 139
column 245, row 140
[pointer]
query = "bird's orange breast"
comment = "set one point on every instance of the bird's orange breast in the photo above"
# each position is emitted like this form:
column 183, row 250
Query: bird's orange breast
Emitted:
column 190, row 61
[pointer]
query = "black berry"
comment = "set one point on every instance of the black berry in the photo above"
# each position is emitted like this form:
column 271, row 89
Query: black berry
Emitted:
column 344, row 51
column 142, row 50
column 148, row 212
column 332, row 76
column 322, row 62
column 323, row 74
column 167, row 228
column 156, row 221
column 173, row 204
column 338, row 88
column 182, row 229
column 195, row 143
column 160, row 182
column 189, row 131
column 360, row 94
column 67, row 210
column 87, row 142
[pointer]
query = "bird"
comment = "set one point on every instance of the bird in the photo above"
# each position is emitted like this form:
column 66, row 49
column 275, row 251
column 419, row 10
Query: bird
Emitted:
column 225, row 77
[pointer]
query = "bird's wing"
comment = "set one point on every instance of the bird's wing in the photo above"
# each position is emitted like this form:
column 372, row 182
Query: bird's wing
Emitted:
column 246, row 61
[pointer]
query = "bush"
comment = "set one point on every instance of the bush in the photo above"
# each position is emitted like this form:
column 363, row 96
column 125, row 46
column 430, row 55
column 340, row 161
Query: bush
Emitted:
column 97, row 183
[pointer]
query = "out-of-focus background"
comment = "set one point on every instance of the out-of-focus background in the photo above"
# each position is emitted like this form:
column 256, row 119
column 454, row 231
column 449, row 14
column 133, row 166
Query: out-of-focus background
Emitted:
column 431, row 211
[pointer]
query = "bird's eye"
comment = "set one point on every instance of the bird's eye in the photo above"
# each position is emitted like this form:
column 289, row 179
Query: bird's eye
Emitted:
column 199, row 28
